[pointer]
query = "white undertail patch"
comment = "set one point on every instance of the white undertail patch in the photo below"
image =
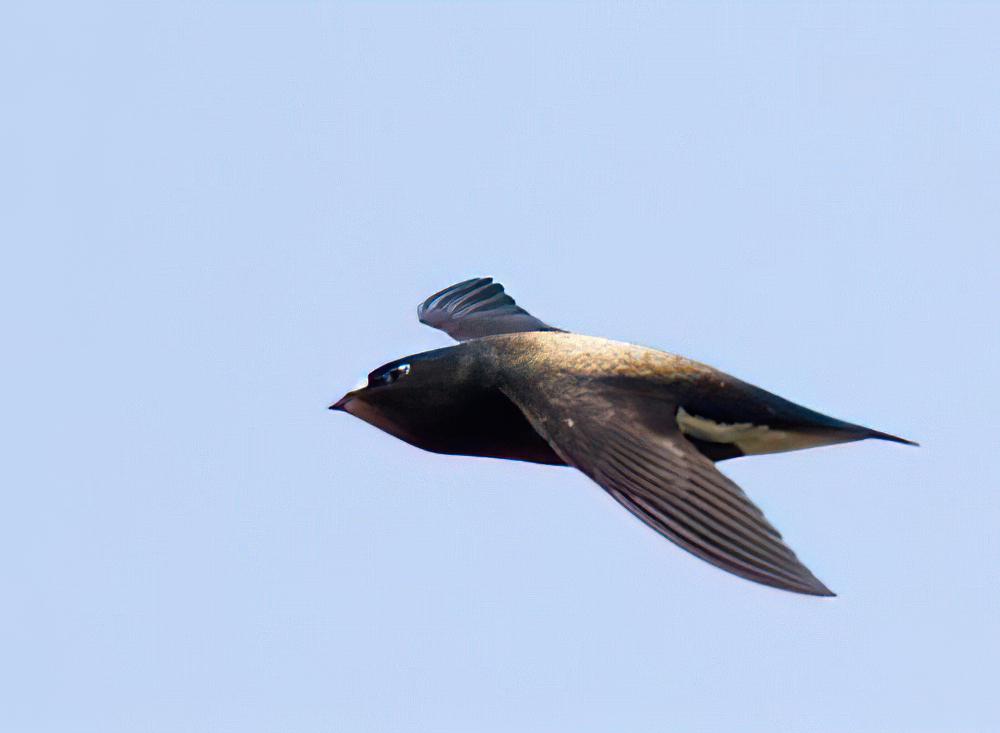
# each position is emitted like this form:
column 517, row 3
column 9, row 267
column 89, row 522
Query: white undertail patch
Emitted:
column 749, row 438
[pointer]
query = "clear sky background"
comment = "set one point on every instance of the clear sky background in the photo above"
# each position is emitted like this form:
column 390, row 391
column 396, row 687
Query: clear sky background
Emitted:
column 219, row 215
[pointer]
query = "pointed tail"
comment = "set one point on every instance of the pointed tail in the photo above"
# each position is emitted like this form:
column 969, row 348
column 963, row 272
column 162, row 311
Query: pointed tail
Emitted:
column 878, row 435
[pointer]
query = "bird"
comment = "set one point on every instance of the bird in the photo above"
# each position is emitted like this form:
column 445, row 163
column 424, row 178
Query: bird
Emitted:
column 647, row 426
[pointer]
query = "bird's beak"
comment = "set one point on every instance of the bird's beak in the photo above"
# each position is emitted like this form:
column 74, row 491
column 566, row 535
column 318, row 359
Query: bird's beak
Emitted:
column 341, row 404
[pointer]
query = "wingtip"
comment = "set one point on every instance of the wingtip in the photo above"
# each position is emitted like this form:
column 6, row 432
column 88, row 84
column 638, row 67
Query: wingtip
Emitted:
column 814, row 587
column 465, row 286
column 824, row 593
column 806, row 584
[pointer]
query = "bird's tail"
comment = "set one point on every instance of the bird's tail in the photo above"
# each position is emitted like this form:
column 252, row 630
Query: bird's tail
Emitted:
column 879, row 435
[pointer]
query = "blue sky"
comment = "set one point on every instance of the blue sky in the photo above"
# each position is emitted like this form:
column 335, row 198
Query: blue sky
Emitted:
column 220, row 215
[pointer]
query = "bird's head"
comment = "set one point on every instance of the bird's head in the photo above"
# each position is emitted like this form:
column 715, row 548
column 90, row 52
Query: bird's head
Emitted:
column 406, row 387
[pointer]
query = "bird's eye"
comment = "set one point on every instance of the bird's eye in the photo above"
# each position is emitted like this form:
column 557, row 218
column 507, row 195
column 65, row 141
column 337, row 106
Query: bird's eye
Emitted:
column 394, row 374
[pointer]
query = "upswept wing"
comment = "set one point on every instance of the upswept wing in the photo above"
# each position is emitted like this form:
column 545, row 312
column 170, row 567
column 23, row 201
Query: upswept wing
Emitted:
column 476, row 308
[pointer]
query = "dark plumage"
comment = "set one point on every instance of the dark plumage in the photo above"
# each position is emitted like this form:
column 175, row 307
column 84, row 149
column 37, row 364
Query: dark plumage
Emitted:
column 643, row 424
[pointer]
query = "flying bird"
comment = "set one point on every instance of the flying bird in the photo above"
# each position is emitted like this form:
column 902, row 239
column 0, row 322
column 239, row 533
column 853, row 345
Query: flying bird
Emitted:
column 645, row 425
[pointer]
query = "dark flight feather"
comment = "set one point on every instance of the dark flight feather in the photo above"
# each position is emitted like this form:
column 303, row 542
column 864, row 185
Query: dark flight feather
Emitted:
column 633, row 449
column 476, row 308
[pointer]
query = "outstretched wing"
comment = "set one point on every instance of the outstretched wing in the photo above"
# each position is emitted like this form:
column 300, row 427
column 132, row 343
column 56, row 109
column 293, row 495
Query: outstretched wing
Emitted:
column 476, row 308
column 631, row 446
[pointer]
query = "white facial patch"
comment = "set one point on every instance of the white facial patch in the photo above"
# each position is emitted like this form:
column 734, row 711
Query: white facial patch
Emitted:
column 749, row 438
column 362, row 382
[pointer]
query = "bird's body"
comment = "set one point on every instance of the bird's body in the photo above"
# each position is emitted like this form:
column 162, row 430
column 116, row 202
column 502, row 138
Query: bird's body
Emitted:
column 644, row 424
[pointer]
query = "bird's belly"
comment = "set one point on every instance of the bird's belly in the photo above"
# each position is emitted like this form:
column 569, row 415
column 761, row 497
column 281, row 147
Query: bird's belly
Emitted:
column 485, row 424
column 489, row 425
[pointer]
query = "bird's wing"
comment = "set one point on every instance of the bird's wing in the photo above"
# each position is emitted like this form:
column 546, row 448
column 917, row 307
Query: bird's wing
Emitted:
column 476, row 308
column 631, row 446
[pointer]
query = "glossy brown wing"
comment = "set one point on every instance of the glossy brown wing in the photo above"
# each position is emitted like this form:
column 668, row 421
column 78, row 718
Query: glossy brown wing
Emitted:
column 476, row 308
column 631, row 446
